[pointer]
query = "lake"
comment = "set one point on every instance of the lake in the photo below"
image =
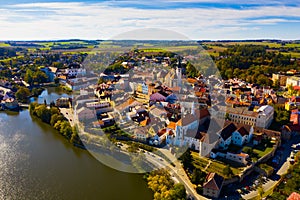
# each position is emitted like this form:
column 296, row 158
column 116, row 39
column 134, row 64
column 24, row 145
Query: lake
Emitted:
column 38, row 163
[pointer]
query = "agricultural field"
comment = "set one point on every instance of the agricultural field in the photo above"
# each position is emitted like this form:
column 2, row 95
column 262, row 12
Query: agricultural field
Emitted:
column 213, row 48
column 3, row 44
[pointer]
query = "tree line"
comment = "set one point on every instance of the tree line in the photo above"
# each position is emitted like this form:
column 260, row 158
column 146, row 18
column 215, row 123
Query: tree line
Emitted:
column 52, row 116
column 253, row 63
column 163, row 186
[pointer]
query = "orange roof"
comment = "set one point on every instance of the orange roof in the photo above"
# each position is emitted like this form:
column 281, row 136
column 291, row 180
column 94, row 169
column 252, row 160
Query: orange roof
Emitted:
column 294, row 196
column 145, row 122
column 198, row 94
column 175, row 89
column 172, row 125
column 192, row 80
column 243, row 155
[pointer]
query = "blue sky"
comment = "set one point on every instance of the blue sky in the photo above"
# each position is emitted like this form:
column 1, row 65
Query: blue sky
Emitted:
column 195, row 19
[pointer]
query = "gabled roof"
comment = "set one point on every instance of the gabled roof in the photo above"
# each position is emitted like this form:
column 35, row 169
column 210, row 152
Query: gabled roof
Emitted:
column 145, row 122
column 213, row 181
column 204, row 113
column 158, row 111
column 172, row 125
column 141, row 131
column 128, row 102
column 186, row 120
column 157, row 97
column 227, row 131
column 243, row 131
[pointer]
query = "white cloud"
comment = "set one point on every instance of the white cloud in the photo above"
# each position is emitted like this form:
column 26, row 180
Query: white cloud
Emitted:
column 103, row 21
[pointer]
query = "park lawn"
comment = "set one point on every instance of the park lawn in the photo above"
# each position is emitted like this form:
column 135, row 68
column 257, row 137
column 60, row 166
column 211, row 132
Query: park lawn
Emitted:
column 214, row 166
column 261, row 153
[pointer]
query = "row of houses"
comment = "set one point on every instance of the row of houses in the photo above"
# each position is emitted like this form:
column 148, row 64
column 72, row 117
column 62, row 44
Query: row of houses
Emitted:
column 260, row 117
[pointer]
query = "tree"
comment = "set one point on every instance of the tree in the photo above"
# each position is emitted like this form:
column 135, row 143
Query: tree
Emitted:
column 55, row 118
column 198, row 177
column 22, row 94
column 56, row 80
column 66, row 129
column 186, row 159
column 178, row 192
column 29, row 77
column 43, row 113
column 162, row 185
column 40, row 77
column 227, row 171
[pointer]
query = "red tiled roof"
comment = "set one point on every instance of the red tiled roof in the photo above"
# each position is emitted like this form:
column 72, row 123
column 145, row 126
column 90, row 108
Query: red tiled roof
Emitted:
column 294, row 118
column 161, row 132
column 213, row 181
column 294, row 196
column 172, row 125
column 204, row 113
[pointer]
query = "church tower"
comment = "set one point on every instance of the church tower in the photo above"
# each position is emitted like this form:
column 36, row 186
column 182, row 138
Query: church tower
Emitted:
column 179, row 72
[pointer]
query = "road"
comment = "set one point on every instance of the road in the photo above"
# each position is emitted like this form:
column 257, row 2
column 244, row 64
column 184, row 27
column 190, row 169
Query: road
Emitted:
column 160, row 162
column 284, row 166
column 180, row 174
column 69, row 114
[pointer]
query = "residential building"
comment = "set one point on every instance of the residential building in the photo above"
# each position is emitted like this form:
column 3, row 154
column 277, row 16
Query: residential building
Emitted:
column 213, row 185
column 261, row 117
column 293, row 81
column 292, row 103
column 10, row 103
column 242, row 135
column 84, row 114
column 141, row 134
column 225, row 136
column 238, row 157
column 295, row 120
column 281, row 78
column 63, row 102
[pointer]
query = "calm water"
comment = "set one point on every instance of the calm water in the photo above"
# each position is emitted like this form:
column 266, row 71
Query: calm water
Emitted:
column 37, row 163
column 50, row 94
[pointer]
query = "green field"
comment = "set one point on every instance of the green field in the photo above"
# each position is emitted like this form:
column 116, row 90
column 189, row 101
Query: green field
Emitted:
column 210, row 165
column 293, row 45
column 293, row 54
column 2, row 44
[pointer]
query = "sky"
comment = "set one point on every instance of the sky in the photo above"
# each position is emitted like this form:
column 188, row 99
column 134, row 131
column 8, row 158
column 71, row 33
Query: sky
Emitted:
column 141, row 19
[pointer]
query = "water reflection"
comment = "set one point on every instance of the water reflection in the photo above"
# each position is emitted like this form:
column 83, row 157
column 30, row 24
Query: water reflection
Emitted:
column 37, row 163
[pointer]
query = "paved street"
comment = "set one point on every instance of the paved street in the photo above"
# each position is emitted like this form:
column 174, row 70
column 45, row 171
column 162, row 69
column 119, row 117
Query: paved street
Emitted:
column 69, row 114
column 286, row 151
